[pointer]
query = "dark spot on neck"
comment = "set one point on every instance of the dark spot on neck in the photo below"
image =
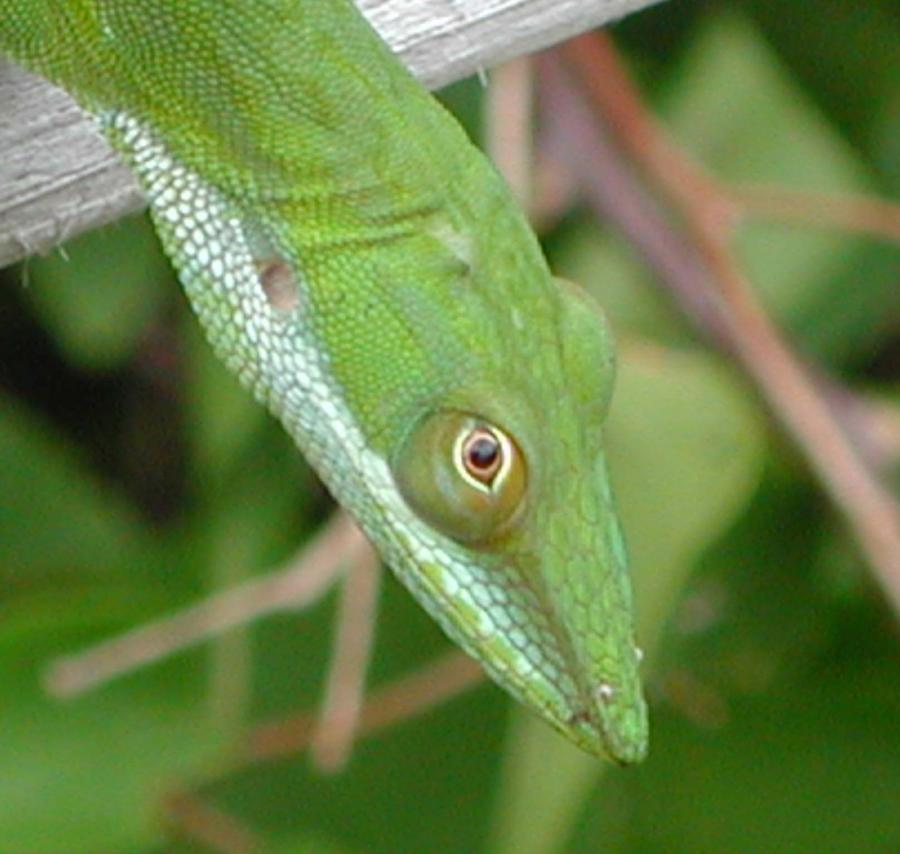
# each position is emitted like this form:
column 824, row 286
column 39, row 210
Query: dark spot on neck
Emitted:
column 279, row 283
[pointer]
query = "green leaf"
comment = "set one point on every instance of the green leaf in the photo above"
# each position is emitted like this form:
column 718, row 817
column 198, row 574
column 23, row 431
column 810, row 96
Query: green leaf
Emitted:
column 85, row 775
column 814, row 765
column 56, row 516
column 98, row 294
column 222, row 417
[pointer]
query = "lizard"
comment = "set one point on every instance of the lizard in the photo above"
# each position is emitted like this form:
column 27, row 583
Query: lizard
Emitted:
column 366, row 273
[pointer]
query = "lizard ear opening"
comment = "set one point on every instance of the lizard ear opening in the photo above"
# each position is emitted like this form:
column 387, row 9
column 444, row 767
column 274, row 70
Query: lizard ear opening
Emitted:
column 277, row 277
column 462, row 475
column 279, row 284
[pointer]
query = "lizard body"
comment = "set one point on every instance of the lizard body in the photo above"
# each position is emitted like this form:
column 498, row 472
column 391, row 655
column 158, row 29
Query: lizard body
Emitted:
column 363, row 269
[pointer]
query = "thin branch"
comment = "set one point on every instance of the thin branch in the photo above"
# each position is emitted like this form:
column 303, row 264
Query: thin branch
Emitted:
column 508, row 125
column 302, row 582
column 196, row 818
column 862, row 214
column 872, row 422
column 345, row 690
column 610, row 185
column 409, row 696
column 201, row 822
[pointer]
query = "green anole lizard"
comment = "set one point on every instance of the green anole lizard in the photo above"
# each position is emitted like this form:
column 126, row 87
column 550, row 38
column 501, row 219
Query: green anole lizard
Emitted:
column 362, row 268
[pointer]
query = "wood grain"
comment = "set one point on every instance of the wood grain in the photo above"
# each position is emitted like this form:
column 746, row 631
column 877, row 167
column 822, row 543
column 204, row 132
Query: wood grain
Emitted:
column 58, row 177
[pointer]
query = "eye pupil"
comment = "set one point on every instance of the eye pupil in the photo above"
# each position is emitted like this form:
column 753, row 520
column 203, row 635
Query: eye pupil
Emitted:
column 482, row 455
column 483, row 452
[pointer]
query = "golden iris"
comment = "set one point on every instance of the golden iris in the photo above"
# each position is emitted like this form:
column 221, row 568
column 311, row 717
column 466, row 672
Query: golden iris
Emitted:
column 461, row 474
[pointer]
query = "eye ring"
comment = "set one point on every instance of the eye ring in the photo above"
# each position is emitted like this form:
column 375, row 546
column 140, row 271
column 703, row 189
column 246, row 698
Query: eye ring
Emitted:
column 463, row 475
column 482, row 456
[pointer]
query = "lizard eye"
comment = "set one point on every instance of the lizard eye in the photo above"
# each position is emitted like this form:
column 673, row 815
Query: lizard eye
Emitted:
column 481, row 455
column 462, row 475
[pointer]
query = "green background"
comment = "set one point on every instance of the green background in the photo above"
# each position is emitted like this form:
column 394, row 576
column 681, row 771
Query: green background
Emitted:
column 135, row 478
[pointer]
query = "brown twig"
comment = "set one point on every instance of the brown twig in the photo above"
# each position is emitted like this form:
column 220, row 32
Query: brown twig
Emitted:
column 862, row 214
column 302, row 582
column 201, row 822
column 508, row 125
column 709, row 283
column 400, row 700
column 699, row 702
column 339, row 715
column 874, row 424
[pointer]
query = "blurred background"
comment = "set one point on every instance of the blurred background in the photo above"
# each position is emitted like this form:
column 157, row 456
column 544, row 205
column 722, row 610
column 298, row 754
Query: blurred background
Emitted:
column 136, row 478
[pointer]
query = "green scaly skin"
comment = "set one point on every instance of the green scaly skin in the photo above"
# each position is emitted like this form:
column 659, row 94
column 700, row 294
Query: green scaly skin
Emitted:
column 281, row 141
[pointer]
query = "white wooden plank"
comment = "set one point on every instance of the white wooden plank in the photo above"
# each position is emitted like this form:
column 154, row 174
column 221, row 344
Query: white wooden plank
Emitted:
column 58, row 177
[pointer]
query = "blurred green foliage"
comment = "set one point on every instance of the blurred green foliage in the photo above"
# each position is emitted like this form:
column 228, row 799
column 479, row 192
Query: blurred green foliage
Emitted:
column 135, row 477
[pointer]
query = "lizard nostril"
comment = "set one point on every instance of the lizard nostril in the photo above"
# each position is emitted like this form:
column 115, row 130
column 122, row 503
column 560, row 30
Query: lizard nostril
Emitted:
column 278, row 283
column 579, row 717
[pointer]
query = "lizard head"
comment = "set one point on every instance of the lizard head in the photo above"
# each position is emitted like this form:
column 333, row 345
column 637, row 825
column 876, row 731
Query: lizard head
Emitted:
column 517, row 547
